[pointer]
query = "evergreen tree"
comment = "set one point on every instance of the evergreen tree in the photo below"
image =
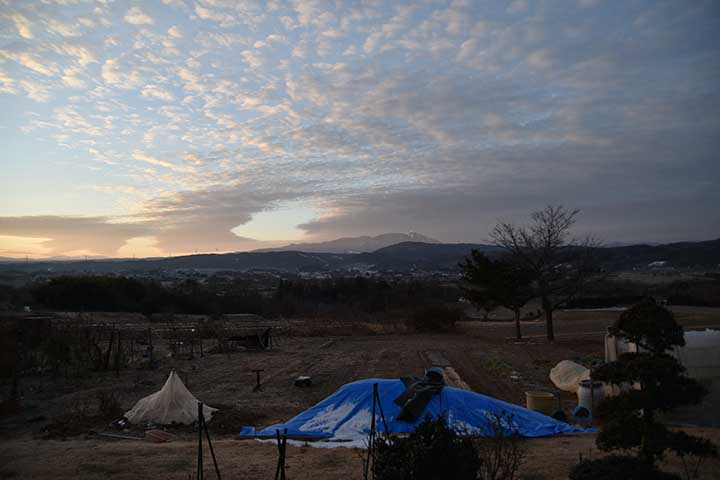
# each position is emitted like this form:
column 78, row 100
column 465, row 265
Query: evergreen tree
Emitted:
column 487, row 283
column 630, row 419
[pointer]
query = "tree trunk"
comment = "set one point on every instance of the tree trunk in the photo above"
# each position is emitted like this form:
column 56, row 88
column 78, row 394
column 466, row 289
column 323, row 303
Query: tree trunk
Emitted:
column 518, row 334
column 549, row 321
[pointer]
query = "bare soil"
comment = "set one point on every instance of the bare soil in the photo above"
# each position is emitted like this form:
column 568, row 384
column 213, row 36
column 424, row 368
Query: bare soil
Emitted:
column 51, row 436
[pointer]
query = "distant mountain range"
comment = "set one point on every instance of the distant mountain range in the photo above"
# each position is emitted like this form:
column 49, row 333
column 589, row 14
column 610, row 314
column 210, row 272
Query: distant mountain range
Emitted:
column 353, row 244
column 400, row 257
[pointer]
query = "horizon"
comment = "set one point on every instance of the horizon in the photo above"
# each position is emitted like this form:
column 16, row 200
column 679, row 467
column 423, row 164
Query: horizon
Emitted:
column 156, row 130
column 61, row 258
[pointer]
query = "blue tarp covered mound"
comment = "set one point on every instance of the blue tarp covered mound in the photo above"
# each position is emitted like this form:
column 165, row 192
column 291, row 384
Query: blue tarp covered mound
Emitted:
column 345, row 415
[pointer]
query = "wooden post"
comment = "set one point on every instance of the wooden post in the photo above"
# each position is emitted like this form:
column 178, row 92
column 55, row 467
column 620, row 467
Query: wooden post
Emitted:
column 117, row 355
column 107, row 354
column 258, row 385
column 150, row 349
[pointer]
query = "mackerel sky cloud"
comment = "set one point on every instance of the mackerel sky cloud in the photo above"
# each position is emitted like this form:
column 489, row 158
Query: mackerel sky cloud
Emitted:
column 172, row 126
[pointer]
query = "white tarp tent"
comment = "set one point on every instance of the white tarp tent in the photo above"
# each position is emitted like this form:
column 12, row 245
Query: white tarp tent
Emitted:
column 173, row 403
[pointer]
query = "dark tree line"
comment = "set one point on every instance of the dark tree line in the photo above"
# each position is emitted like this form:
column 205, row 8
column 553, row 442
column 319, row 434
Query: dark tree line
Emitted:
column 367, row 295
column 121, row 294
column 298, row 297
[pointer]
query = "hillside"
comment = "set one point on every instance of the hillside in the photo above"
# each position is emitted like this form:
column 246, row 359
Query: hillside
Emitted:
column 354, row 244
column 401, row 257
column 678, row 255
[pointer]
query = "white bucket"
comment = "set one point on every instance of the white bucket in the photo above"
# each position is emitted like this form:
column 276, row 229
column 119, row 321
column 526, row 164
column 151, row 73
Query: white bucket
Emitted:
column 590, row 400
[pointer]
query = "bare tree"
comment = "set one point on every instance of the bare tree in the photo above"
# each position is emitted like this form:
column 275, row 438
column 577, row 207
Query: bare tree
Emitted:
column 560, row 267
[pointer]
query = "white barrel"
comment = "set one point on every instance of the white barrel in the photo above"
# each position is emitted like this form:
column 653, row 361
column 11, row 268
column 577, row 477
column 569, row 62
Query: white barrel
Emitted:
column 590, row 400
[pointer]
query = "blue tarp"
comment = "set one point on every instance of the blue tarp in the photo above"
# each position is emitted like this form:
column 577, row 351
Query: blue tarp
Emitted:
column 346, row 414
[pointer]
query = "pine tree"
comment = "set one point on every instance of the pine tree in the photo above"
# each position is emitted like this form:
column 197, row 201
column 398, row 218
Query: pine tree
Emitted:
column 631, row 418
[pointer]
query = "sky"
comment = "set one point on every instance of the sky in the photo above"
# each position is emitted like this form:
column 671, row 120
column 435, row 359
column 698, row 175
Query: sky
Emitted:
column 167, row 127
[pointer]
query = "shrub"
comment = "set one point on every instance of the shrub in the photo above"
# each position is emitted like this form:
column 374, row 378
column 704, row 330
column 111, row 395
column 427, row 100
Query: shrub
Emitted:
column 618, row 467
column 432, row 451
column 502, row 451
column 108, row 405
column 435, row 318
column 435, row 451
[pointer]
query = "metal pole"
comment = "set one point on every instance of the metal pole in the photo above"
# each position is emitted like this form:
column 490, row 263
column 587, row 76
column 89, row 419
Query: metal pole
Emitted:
column 200, row 453
column 277, row 467
column 371, row 440
column 284, row 449
column 207, row 434
column 382, row 414
column 282, row 443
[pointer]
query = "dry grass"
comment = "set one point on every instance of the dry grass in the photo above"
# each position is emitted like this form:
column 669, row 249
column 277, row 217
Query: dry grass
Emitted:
column 94, row 458
column 479, row 352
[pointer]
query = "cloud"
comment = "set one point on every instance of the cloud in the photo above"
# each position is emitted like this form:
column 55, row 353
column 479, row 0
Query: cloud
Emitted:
column 113, row 73
column 539, row 59
column 70, row 78
column 137, row 16
column 143, row 157
column 437, row 118
column 224, row 19
column 175, row 32
column 372, row 41
column 22, row 24
column 82, row 54
column 31, row 62
column 518, row 6
column 36, row 91
column 7, row 84
column 157, row 92
column 64, row 234
column 63, row 29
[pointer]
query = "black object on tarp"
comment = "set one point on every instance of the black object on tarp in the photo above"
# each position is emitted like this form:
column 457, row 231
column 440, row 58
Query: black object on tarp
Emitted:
column 418, row 393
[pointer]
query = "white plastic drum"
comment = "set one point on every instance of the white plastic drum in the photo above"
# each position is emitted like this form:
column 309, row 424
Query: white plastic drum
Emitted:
column 588, row 397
